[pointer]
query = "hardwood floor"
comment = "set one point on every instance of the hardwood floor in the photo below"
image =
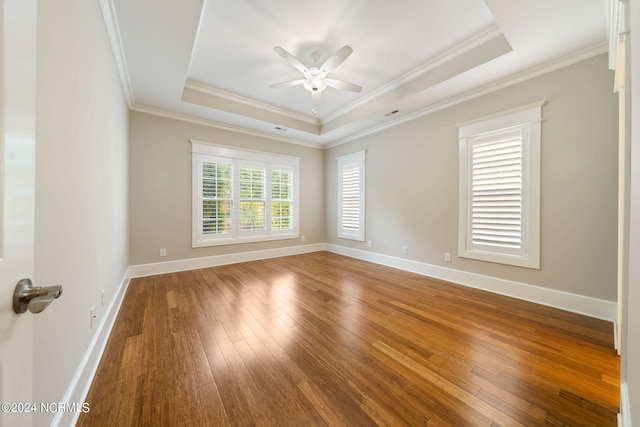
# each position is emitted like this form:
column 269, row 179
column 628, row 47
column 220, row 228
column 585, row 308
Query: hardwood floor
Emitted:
column 321, row 339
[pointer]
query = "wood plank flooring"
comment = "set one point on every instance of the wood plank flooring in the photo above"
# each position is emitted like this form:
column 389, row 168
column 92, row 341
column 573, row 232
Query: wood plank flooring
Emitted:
column 321, row 339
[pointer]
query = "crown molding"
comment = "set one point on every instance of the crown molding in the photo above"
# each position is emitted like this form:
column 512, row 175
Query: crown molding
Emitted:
column 113, row 32
column 529, row 74
column 441, row 59
column 229, row 96
column 484, row 90
column 221, row 126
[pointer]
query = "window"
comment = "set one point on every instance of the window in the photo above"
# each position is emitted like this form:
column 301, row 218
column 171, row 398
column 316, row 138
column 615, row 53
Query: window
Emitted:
column 217, row 203
column 499, row 188
column 242, row 196
column 281, row 198
column 252, row 197
column 351, row 196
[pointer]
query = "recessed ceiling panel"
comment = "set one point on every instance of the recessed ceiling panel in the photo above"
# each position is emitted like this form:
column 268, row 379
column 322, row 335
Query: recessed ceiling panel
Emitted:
column 234, row 46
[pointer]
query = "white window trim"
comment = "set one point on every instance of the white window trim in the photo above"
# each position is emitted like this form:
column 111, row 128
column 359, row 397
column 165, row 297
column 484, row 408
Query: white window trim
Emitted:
column 529, row 116
column 202, row 151
column 358, row 159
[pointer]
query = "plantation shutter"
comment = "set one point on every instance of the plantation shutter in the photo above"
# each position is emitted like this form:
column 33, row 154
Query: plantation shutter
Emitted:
column 252, row 182
column 496, row 196
column 282, row 198
column 351, row 196
column 216, row 202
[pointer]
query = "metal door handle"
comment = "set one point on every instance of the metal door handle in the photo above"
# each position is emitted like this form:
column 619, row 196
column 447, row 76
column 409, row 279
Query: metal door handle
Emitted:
column 35, row 299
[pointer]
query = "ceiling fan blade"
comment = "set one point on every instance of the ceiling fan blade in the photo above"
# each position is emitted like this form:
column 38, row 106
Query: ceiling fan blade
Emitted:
column 287, row 84
column 339, row 84
column 291, row 60
column 335, row 60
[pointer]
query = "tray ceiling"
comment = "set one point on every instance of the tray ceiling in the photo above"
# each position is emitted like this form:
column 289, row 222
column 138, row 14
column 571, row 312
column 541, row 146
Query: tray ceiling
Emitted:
column 213, row 61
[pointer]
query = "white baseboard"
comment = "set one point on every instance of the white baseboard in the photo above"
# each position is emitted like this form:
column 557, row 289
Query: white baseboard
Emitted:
column 593, row 307
column 624, row 417
column 142, row 270
column 81, row 382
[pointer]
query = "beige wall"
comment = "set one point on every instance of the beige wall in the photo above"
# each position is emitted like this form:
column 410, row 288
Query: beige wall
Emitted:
column 81, row 233
column 412, row 183
column 160, row 188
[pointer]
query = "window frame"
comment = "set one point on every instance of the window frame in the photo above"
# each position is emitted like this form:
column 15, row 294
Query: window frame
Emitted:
column 202, row 152
column 528, row 120
column 356, row 159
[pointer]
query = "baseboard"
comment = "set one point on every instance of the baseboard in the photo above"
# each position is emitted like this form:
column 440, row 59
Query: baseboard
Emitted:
column 142, row 270
column 81, row 382
column 624, row 417
column 593, row 307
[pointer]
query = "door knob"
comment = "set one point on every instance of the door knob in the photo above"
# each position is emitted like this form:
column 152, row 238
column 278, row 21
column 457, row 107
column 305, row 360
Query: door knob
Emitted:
column 33, row 298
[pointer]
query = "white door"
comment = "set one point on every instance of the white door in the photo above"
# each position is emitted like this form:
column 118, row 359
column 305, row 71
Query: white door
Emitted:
column 17, row 171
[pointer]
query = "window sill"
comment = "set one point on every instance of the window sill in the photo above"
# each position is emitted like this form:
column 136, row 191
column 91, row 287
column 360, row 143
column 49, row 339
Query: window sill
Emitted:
column 244, row 239
column 513, row 260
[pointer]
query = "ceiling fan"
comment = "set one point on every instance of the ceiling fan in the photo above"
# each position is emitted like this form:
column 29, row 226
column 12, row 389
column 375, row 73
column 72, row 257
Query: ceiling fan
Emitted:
column 315, row 78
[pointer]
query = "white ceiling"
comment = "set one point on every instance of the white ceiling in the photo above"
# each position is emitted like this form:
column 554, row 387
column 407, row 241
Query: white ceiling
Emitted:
column 212, row 61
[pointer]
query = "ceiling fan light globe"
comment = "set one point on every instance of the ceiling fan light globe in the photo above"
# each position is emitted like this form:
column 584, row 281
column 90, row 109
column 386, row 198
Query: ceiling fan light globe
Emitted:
column 315, row 84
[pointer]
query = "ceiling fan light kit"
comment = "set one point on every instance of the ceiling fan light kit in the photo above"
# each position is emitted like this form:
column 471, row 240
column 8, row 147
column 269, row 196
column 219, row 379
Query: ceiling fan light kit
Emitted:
column 315, row 78
column 315, row 83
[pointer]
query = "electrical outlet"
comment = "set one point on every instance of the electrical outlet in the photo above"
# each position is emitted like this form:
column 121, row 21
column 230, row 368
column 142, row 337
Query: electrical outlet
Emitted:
column 92, row 316
column 447, row 257
column 304, row 238
column 163, row 251
column 405, row 250
column 368, row 243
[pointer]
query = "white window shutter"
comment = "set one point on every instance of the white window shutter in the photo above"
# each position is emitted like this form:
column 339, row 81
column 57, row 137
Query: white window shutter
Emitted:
column 252, row 197
column 496, row 191
column 282, row 201
column 351, row 197
column 351, row 190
